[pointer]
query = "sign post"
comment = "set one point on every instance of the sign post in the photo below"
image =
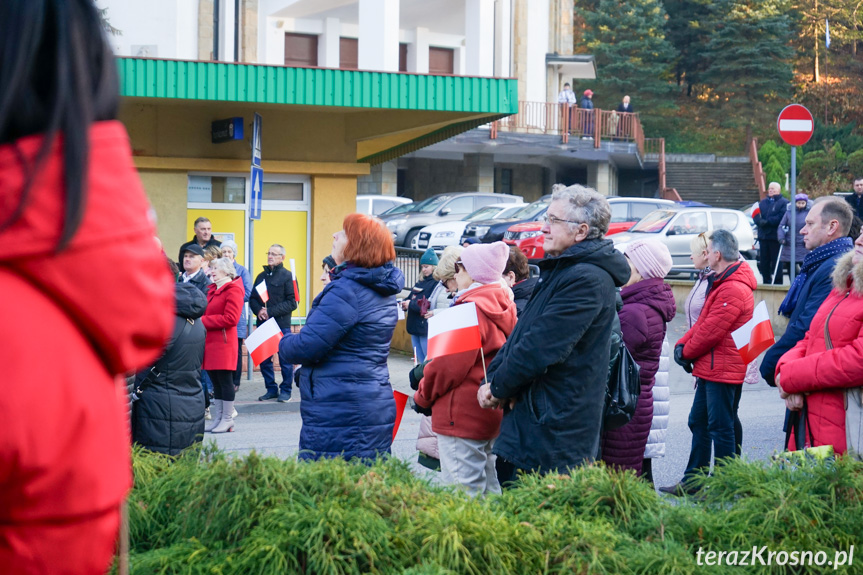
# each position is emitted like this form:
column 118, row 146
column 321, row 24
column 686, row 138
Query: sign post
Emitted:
column 795, row 127
column 256, row 187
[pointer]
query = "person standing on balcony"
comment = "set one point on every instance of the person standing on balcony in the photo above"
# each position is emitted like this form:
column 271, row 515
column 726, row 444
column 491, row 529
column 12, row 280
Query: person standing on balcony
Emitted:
column 772, row 208
column 567, row 101
column 625, row 106
column 587, row 114
column 566, row 96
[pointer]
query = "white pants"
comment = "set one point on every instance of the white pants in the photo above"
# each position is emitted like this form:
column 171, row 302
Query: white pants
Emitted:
column 468, row 463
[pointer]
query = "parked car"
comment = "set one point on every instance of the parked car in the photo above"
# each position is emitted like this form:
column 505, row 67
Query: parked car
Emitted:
column 675, row 227
column 488, row 231
column 625, row 213
column 444, row 234
column 438, row 208
column 374, row 205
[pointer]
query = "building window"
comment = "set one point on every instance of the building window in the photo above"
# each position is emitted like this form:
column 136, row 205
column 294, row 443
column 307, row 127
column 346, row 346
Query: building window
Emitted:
column 216, row 190
column 301, row 50
column 403, row 57
column 348, row 54
column 506, row 181
column 283, row 191
column 441, row 60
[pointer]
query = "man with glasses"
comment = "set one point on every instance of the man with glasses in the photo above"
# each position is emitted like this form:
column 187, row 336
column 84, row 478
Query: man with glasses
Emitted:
column 280, row 304
column 550, row 376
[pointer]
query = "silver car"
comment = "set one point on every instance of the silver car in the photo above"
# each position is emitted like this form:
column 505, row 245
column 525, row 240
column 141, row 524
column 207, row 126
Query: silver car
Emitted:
column 676, row 227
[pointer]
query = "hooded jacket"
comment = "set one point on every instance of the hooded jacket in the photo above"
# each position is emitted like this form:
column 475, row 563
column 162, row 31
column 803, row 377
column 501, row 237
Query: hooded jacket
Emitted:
column 347, row 401
column 783, row 234
column 648, row 306
column 809, row 367
column 102, row 307
column 549, row 363
column 728, row 306
column 450, row 384
column 169, row 416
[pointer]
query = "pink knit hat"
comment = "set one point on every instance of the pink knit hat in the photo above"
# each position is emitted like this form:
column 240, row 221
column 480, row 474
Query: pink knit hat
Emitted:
column 651, row 258
column 485, row 262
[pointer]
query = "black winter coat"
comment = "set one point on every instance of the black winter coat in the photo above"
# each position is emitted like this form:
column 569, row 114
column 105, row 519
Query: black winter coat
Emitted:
column 169, row 416
column 200, row 280
column 415, row 323
column 772, row 211
column 555, row 362
column 521, row 293
column 280, row 289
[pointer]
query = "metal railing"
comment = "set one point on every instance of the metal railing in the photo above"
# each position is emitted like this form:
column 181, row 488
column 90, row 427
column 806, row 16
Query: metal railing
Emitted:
column 408, row 261
column 757, row 170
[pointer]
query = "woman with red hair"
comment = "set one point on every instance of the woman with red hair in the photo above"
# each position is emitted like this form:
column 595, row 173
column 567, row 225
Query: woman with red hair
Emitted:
column 347, row 400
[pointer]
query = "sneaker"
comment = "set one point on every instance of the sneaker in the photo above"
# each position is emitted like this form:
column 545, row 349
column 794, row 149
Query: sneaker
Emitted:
column 207, row 415
column 679, row 490
column 269, row 395
column 284, row 397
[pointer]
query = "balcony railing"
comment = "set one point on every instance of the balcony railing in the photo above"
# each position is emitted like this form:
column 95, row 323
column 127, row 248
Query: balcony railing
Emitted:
column 570, row 121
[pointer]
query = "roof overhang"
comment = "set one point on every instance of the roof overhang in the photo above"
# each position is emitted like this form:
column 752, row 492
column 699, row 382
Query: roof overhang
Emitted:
column 580, row 66
column 377, row 115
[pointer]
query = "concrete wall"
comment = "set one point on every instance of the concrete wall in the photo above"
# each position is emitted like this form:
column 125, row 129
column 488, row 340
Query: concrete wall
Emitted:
column 332, row 199
column 427, row 177
column 167, row 191
column 156, row 28
column 528, row 180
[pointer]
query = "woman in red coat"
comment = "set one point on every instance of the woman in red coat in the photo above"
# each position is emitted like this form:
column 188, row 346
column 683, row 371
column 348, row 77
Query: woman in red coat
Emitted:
column 84, row 283
column 821, row 375
column 224, row 306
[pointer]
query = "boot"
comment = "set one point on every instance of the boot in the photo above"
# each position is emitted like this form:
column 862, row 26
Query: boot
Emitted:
column 227, row 422
column 216, row 414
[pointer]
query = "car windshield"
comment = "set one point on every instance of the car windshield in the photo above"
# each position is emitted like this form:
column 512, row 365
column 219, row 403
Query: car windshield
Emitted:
column 430, row 204
column 530, row 211
column 509, row 212
column 485, row 213
column 654, row 222
column 400, row 209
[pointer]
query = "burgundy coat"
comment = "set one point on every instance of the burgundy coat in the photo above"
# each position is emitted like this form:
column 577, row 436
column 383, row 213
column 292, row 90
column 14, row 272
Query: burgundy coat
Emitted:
column 809, row 367
column 647, row 306
column 224, row 306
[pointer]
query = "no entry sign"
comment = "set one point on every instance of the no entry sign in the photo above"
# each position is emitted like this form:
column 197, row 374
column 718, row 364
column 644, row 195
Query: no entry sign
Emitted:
column 795, row 125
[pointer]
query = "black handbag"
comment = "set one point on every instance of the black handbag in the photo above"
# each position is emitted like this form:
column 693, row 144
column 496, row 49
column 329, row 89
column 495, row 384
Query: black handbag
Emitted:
column 622, row 391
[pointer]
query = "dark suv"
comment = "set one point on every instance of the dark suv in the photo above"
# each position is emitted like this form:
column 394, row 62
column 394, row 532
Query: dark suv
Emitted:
column 493, row 230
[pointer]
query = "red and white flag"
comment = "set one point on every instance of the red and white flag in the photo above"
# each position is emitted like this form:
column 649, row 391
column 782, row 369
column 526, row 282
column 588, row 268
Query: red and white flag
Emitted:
column 454, row 330
column 264, row 341
column 756, row 209
column 261, row 288
column 296, row 286
column 754, row 336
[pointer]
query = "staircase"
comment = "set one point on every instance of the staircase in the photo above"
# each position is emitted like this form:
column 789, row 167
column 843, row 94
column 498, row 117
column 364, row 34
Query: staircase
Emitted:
column 728, row 183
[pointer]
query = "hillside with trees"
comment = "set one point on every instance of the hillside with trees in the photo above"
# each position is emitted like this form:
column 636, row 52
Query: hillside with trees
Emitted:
column 708, row 76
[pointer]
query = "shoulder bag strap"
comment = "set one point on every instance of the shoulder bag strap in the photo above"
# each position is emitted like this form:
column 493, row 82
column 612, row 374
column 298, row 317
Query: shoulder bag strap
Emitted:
column 827, row 340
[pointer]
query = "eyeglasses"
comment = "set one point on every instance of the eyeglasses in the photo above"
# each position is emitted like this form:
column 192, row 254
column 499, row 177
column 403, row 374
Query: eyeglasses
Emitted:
column 275, row 254
column 547, row 219
column 459, row 265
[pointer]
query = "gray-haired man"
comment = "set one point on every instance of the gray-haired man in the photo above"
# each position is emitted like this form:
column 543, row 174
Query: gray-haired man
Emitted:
column 552, row 372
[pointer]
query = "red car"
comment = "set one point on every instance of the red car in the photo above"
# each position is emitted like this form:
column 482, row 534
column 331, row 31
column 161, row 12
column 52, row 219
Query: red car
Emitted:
column 625, row 213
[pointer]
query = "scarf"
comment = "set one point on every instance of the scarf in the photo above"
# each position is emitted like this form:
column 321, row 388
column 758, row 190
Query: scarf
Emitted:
column 223, row 281
column 810, row 263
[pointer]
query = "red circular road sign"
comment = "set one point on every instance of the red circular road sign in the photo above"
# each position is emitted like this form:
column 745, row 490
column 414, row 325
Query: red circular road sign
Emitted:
column 795, row 125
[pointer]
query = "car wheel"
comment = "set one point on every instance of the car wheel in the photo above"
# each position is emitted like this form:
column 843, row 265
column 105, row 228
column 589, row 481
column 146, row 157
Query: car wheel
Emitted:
column 410, row 237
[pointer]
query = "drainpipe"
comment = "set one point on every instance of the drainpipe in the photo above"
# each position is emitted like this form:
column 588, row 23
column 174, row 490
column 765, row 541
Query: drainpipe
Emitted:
column 216, row 9
column 236, row 30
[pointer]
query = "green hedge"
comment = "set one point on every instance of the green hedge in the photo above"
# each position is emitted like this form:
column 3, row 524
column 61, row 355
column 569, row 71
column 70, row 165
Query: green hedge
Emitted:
column 208, row 512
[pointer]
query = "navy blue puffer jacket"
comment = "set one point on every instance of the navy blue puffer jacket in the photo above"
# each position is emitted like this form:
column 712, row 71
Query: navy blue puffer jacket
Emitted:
column 347, row 400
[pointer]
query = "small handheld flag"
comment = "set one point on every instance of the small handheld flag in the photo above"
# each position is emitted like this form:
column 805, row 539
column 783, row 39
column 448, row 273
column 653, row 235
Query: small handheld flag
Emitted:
column 755, row 336
column 401, row 400
column 296, row 285
column 261, row 288
column 454, row 330
column 264, row 341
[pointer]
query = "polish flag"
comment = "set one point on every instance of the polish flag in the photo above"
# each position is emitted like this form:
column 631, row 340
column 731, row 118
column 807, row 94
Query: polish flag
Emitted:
column 454, row 330
column 296, row 287
column 755, row 336
column 264, row 341
column 261, row 288
column 401, row 400
column 756, row 209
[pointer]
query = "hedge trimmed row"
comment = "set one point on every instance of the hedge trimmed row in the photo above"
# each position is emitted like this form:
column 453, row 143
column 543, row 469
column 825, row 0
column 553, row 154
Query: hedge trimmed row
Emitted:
column 207, row 512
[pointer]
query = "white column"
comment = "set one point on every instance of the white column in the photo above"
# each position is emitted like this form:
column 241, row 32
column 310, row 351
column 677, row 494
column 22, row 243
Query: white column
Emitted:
column 536, row 79
column 479, row 37
column 328, row 44
column 379, row 35
column 226, row 31
column 503, row 39
column 418, row 52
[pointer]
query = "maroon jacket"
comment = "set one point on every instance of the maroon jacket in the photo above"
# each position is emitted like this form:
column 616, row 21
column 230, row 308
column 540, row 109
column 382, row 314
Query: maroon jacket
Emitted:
column 224, row 306
column 450, row 384
column 729, row 305
column 647, row 306
column 809, row 367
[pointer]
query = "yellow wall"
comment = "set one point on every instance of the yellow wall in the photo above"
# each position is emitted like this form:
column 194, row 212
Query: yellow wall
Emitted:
column 223, row 221
column 167, row 193
column 289, row 230
column 332, row 199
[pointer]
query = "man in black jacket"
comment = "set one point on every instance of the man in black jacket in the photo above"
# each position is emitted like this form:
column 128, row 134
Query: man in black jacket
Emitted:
column 771, row 208
column 203, row 237
column 856, row 197
column 552, row 373
column 280, row 303
column 192, row 262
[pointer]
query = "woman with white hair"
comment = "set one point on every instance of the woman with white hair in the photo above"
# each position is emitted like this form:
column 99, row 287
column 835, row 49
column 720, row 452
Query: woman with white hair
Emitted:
column 229, row 251
column 224, row 305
